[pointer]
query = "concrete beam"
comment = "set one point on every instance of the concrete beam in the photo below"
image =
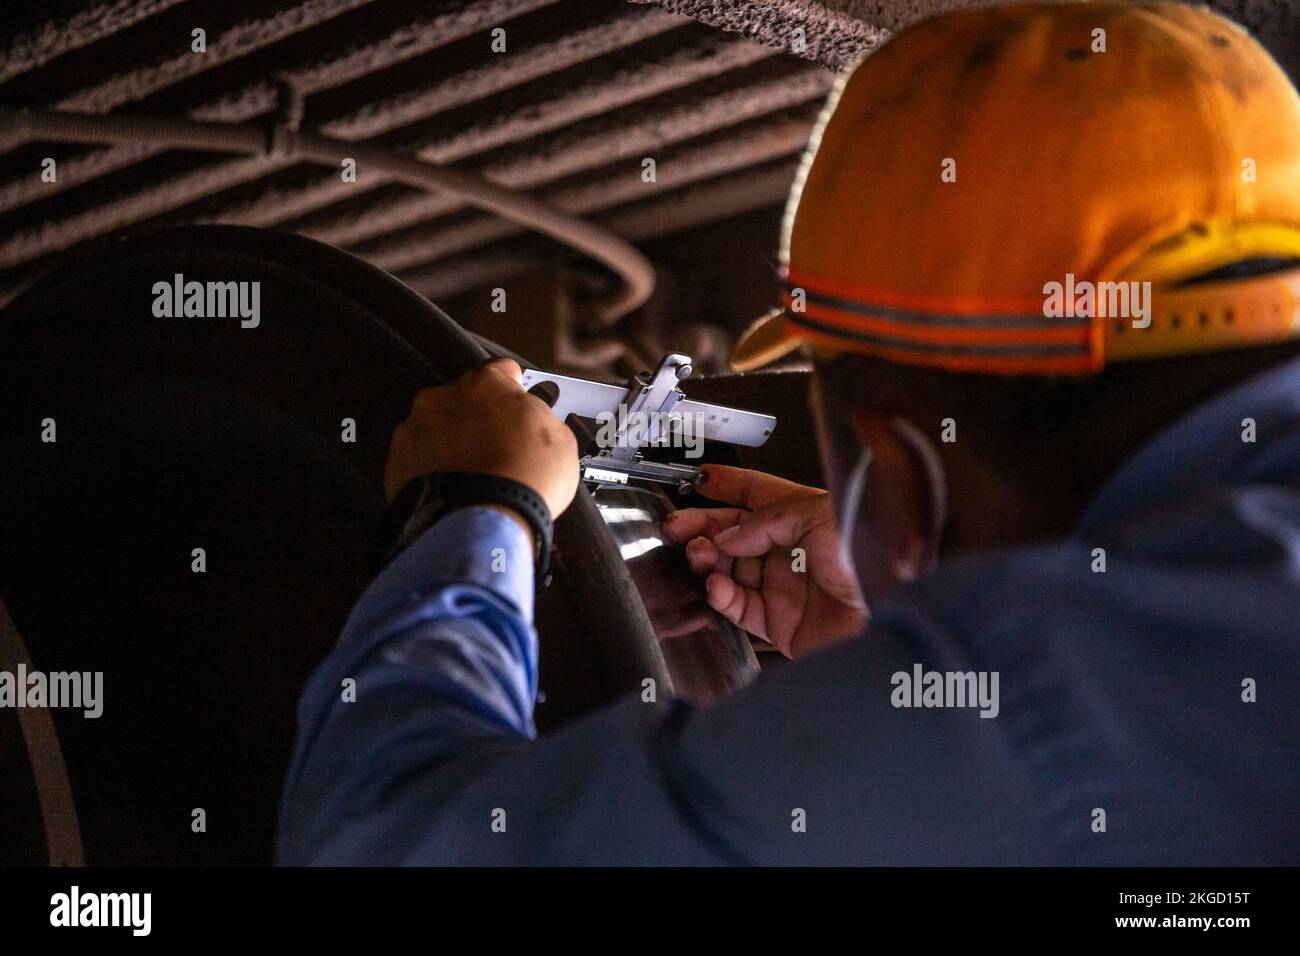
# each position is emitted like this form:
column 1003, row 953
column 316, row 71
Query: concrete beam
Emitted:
column 59, row 35
column 752, row 144
column 813, row 30
column 236, row 41
column 451, row 22
column 764, row 187
column 586, row 146
column 837, row 33
column 555, row 109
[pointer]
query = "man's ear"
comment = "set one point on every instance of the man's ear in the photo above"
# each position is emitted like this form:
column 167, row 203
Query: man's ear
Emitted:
column 896, row 508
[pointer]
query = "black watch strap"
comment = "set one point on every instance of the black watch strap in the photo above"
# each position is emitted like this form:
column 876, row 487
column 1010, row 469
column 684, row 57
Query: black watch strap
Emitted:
column 427, row 498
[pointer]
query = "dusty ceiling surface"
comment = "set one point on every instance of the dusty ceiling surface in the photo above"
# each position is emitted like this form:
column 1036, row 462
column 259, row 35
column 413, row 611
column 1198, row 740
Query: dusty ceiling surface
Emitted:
column 584, row 92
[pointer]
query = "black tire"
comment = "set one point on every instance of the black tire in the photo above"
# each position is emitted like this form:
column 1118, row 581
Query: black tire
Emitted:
column 174, row 434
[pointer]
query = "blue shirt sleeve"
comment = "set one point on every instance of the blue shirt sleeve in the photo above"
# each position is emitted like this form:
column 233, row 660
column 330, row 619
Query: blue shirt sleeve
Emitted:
column 451, row 613
column 429, row 757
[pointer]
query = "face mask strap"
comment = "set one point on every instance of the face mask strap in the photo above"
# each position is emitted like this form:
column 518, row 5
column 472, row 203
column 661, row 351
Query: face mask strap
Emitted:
column 935, row 478
column 853, row 489
column 856, row 482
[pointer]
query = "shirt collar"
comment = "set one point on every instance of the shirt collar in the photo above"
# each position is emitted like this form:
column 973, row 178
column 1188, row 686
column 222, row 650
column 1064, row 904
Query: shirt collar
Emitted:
column 1206, row 447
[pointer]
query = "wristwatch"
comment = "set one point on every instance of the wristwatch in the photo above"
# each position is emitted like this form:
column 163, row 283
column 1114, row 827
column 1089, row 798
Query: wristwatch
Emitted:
column 427, row 498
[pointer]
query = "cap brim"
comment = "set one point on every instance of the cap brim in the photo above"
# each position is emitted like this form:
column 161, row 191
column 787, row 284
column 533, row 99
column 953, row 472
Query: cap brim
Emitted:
column 764, row 342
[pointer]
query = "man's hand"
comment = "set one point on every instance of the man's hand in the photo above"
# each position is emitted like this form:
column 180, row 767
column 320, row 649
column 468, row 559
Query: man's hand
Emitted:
column 754, row 578
column 485, row 422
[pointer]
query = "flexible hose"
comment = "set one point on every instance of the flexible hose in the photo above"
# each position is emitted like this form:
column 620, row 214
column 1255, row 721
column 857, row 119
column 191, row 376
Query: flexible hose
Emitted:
column 252, row 139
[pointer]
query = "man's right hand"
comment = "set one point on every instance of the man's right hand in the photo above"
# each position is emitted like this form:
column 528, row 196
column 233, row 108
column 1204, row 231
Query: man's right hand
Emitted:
column 755, row 578
column 485, row 422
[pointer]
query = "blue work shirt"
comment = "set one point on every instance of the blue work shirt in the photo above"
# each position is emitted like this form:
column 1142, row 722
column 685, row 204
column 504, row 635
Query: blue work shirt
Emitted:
column 1146, row 714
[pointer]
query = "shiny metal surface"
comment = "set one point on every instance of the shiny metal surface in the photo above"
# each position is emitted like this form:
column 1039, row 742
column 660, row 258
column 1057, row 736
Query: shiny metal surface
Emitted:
column 707, row 655
column 576, row 396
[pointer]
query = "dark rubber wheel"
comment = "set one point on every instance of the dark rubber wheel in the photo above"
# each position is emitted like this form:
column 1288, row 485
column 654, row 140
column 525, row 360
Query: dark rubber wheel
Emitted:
column 182, row 433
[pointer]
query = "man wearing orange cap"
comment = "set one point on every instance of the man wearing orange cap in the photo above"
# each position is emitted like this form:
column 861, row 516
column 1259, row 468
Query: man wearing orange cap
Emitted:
column 1048, row 261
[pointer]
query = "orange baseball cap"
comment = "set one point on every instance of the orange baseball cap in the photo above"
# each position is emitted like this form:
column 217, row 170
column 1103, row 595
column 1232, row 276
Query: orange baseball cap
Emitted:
column 1028, row 189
